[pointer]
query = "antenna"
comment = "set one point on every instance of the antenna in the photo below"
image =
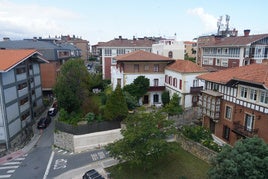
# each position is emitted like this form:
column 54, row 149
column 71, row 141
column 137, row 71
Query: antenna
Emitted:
column 227, row 22
column 219, row 24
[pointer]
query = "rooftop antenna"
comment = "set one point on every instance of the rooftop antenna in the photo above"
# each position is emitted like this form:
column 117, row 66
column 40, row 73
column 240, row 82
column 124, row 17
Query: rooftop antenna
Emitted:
column 227, row 22
column 219, row 24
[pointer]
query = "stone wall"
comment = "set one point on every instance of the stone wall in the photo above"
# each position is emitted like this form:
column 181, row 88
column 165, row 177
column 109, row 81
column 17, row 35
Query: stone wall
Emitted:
column 80, row 143
column 195, row 148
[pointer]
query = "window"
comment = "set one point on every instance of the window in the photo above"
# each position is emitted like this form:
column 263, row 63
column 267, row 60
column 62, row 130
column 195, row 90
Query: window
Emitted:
column 218, row 62
column 25, row 115
column 136, row 67
column 146, row 67
column 108, row 52
column 22, row 86
column 156, row 68
column 219, row 51
column 228, row 112
column 225, row 51
column 195, row 83
column 156, row 82
column 119, row 81
column 170, row 54
column 253, row 94
column 20, row 70
column 156, row 98
column 170, row 80
column 180, row 84
column 166, row 78
column 249, row 120
column 175, row 82
column 23, row 101
column 243, row 92
column 264, row 97
column 226, row 132
column 224, row 62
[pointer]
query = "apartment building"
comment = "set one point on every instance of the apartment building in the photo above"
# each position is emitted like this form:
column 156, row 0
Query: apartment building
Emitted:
column 219, row 52
column 169, row 48
column 57, row 53
column 20, row 94
column 141, row 63
column 235, row 103
column 180, row 78
column 190, row 48
column 120, row 46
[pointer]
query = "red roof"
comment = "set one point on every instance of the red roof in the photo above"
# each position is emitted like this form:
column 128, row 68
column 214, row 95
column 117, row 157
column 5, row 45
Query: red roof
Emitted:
column 11, row 58
column 254, row 73
column 185, row 66
column 235, row 41
column 144, row 42
column 141, row 55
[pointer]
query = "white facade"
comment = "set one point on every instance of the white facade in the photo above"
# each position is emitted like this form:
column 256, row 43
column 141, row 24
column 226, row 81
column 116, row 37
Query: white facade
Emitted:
column 184, row 83
column 169, row 48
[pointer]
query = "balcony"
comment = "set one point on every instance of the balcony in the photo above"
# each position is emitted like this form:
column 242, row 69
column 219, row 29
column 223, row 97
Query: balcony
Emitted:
column 156, row 88
column 194, row 90
column 243, row 130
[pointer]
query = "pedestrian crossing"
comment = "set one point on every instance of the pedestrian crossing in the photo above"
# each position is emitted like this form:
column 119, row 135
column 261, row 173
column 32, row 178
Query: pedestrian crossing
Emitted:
column 61, row 151
column 8, row 168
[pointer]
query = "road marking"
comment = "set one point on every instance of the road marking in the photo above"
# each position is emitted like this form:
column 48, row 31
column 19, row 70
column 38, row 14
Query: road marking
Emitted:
column 94, row 157
column 101, row 155
column 60, row 163
column 19, row 159
column 10, row 171
column 9, row 167
column 5, row 176
column 12, row 163
column 49, row 164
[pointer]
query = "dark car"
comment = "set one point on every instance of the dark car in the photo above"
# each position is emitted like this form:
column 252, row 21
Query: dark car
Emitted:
column 52, row 111
column 44, row 122
column 92, row 174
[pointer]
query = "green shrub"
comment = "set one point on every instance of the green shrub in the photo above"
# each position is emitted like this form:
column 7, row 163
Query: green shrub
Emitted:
column 90, row 117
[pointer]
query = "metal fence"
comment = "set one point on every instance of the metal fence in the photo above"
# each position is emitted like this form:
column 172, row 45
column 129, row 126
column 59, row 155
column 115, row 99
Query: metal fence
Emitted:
column 87, row 128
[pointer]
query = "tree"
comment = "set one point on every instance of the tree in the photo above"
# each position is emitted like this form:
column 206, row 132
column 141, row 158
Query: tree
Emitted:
column 131, row 101
column 144, row 139
column 71, row 88
column 247, row 159
column 139, row 87
column 173, row 107
column 116, row 106
column 165, row 97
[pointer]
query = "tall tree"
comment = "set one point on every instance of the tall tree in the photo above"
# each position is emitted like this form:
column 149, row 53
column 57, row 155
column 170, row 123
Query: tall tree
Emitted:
column 173, row 107
column 247, row 159
column 139, row 87
column 71, row 88
column 116, row 106
column 144, row 139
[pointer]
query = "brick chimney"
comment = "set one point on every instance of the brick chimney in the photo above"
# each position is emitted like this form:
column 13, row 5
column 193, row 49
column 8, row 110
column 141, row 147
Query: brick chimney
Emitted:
column 246, row 32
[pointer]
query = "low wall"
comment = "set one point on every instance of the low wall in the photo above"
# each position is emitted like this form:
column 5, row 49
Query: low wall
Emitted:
column 80, row 143
column 196, row 149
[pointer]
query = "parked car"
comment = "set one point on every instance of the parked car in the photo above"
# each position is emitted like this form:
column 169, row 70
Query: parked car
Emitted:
column 44, row 122
column 52, row 111
column 92, row 174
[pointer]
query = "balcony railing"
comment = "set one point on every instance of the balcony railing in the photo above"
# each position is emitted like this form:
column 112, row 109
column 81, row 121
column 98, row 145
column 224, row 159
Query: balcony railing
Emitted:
column 156, row 88
column 243, row 130
column 197, row 89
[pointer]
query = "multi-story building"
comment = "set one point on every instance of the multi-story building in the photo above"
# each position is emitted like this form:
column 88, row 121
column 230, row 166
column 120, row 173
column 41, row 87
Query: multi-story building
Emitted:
column 120, row 46
column 235, row 102
column 141, row 63
column 190, row 49
column 180, row 78
column 220, row 51
column 20, row 94
column 169, row 48
column 56, row 53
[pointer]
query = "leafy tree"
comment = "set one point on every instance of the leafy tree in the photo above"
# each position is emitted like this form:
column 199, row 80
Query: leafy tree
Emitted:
column 71, row 88
column 144, row 139
column 247, row 159
column 173, row 107
column 116, row 106
column 165, row 97
column 139, row 87
column 131, row 101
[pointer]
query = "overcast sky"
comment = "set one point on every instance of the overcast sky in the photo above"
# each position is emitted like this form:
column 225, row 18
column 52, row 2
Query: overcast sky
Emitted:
column 103, row 20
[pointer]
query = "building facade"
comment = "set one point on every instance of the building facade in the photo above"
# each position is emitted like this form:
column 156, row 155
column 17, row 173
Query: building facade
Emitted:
column 235, row 103
column 219, row 52
column 120, row 46
column 190, row 49
column 20, row 94
column 140, row 63
column 169, row 48
column 54, row 51
column 180, row 78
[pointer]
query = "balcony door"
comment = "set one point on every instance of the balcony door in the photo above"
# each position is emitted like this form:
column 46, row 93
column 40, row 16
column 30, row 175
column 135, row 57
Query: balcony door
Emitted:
column 249, row 120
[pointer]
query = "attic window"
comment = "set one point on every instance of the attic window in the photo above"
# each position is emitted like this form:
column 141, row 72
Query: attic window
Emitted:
column 170, row 54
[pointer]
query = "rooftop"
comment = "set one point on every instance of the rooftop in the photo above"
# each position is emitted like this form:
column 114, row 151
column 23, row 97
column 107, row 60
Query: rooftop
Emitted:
column 185, row 66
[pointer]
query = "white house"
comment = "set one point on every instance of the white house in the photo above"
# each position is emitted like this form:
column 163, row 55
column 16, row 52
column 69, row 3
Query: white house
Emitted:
column 180, row 78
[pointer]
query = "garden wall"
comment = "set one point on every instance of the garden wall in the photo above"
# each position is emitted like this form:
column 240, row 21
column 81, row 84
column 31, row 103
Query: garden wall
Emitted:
column 195, row 148
column 80, row 143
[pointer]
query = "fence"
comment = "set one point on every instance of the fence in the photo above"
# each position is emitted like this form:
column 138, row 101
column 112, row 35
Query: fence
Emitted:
column 87, row 128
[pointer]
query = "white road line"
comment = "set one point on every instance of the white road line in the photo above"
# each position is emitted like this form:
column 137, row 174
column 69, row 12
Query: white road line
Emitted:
column 19, row 159
column 49, row 164
column 9, row 167
column 60, row 150
column 5, row 176
column 12, row 163
column 10, row 171
column 65, row 152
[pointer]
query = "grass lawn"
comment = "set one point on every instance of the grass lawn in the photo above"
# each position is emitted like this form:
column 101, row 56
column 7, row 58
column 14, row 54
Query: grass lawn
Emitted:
column 179, row 165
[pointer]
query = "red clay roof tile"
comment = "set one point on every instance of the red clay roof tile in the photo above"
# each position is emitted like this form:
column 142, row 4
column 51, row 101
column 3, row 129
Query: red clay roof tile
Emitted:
column 185, row 66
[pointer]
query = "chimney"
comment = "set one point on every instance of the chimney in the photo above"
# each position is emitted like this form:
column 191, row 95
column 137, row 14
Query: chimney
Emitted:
column 6, row 38
column 218, row 38
column 246, row 32
column 120, row 37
